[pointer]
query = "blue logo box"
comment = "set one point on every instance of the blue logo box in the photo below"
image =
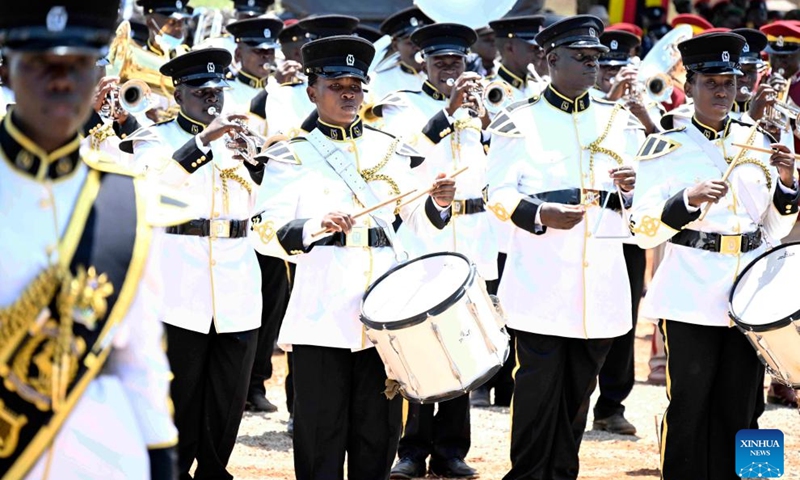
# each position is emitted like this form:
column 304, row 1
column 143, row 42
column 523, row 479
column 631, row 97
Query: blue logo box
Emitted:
column 759, row 453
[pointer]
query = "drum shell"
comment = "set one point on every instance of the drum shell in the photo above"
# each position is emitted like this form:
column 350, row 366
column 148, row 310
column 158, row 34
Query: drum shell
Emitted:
column 448, row 354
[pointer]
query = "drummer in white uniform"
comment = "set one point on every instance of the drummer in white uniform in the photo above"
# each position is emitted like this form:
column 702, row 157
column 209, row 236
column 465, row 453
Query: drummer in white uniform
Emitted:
column 339, row 379
column 713, row 373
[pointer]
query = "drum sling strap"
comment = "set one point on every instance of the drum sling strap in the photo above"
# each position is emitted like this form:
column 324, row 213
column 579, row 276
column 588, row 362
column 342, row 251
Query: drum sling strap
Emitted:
column 56, row 338
column 355, row 182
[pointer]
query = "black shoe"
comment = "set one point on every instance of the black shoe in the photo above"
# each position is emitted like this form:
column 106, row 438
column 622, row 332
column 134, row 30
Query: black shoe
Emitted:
column 480, row 397
column 290, row 426
column 407, row 468
column 614, row 424
column 453, row 468
column 259, row 403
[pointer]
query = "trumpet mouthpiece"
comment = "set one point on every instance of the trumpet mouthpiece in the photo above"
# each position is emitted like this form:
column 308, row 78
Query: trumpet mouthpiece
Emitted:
column 212, row 111
column 450, row 82
column 744, row 91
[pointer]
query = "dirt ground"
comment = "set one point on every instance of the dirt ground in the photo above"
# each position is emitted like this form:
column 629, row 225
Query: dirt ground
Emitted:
column 264, row 451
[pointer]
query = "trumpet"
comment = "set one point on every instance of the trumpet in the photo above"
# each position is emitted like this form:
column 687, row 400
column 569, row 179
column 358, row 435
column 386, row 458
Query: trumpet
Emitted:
column 485, row 97
column 252, row 141
column 779, row 112
column 475, row 108
column 132, row 96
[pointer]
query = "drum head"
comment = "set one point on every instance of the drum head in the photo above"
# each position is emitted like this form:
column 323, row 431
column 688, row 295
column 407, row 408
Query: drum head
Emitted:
column 762, row 298
column 411, row 291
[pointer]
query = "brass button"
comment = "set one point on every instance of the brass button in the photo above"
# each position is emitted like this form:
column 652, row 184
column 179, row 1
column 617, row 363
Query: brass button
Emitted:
column 203, row 158
column 194, row 164
column 45, row 203
column 585, row 264
column 216, row 189
column 50, row 249
column 216, row 214
column 213, row 262
column 124, row 135
column 588, row 234
column 366, row 274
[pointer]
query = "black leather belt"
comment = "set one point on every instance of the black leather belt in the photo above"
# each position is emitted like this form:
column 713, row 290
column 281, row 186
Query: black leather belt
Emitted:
column 211, row 228
column 576, row 196
column 361, row 237
column 714, row 242
column 468, row 207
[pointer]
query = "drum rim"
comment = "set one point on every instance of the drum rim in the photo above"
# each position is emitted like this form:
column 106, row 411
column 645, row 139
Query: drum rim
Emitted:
column 767, row 326
column 421, row 317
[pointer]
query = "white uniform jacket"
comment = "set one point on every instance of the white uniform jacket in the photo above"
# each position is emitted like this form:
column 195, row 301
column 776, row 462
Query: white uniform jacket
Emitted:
column 394, row 77
column 300, row 188
column 448, row 145
column 125, row 409
column 552, row 149
column 691, row 284
column 289, row 107
column 207, row 278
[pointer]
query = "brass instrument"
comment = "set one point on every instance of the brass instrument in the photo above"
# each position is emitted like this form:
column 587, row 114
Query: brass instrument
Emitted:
column 475, row 108
column 659, row 70
column 253, row 141
column 131, row 62
column 209, row 24
column 497, row 95
column 133, row 97
column 472, row 13
column 779, row 113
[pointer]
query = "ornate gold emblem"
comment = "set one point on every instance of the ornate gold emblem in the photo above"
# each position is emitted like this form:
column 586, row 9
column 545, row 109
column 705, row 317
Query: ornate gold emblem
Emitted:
column 500, row 212
column 648, row 228
column 10, row 425
column 265, row 230
column 83, row 297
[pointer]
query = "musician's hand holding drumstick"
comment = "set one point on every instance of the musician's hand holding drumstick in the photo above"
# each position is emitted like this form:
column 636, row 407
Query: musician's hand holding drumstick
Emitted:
column 624, row 177
column 783, row 160
column 444, row 190
column 337, row 222
column 709, row 191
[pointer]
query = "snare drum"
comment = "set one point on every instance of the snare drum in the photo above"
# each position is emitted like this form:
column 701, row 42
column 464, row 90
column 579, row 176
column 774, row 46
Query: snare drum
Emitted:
column 435, row 327
column 765, row 305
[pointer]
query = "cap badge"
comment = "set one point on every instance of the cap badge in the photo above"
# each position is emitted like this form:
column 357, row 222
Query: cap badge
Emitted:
column 251, row 3
column 211, row 67
column 350, row 60
column 746, row 48
column 726, row 57
column 413, row 22
column 592, row 32
column 267, row 33
column 179, row 4
column 614, row 44
column 779, row 42
column 57, row 19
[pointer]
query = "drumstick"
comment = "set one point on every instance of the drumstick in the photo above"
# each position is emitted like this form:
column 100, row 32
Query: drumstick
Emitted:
column 372, row 209
column 416, row 197
column 733, row 164
column 762, row 150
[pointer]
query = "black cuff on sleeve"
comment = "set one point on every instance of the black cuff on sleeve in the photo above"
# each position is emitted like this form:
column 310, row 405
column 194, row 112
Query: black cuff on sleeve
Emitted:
column 416, row 161
column 437, row 127
column 95, row 121
column 786, row 203
column 434, row 215
column 675, row 214
column 127, row 128
column 163, row 464
column 256, row 171
column 190, row 157
column 524, row 216
column 291, row 237
column 258, row 105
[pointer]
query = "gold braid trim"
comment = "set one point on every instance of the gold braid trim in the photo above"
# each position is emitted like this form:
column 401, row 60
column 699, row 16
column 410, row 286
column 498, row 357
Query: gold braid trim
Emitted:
column 230, row 174
column 371, row 174
column 757, row 163
column 595, row 147
column 99, row 134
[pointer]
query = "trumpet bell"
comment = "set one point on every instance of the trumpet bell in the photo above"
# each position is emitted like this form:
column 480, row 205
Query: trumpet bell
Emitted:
column 660, row 61
column 134, row 96
column 131, row 62
column 497, row 95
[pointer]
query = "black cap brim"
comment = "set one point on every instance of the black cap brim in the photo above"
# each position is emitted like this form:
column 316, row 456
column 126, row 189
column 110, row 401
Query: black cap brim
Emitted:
column 265, row 45
column 717, row 71
column 209, row 83
column 586, row 44
column 446, row 52
column 613, row 62
column 344, row 74
column 782, row 51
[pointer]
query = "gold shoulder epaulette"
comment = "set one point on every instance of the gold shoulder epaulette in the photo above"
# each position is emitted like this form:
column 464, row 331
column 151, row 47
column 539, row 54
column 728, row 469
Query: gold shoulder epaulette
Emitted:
column 656, row 145
column 281, row 152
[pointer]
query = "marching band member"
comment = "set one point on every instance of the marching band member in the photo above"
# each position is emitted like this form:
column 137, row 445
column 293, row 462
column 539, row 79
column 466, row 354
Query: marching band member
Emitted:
column 251, row 8
column 210, row 270
column 514, row 38
column 338, row 378
column 616, row 377
column 483, row 57
column 555, row 162
column 256, row 41
column 713, row 373
column 428, row 117
column 406, row 73
column 292, row 38
column 290, row 99
column 85, row 391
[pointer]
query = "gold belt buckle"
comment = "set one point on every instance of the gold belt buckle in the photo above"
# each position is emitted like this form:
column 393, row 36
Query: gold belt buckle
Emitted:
column 358, row 237
column 730, row 244
column 590, row 198
column 459, row 207
column 221, row 228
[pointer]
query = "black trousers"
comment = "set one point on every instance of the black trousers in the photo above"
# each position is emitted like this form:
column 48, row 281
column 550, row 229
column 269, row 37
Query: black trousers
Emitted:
column 502, row 381
column 274, row 298
column 340, row 408
column 209, row 388
column 554, row 380
column 713, row 376
column 444, row 435
column 617, row 376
